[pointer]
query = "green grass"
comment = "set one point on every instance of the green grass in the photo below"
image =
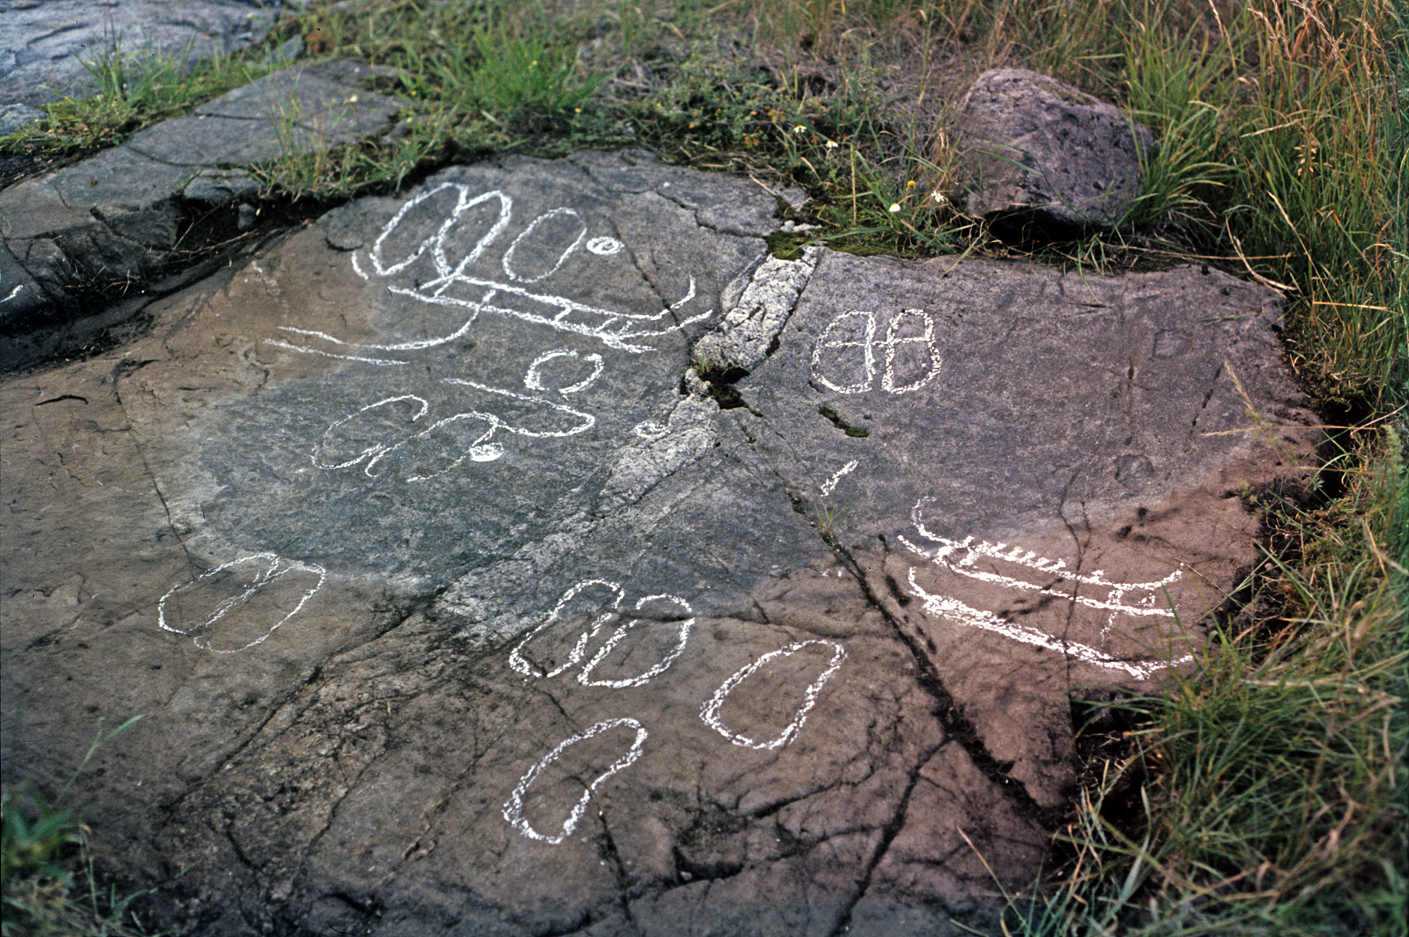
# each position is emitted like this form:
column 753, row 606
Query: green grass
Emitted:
column 47, row 881
column 135, row 88
column 1265, row 792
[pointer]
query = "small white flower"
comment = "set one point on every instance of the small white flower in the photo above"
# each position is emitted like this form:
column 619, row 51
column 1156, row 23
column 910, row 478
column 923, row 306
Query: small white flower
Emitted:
column 831, row 144
column 894, row 208
column 799, row 129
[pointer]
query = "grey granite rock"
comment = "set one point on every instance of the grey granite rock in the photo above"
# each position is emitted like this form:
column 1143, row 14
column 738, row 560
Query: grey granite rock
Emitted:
column 15, row 116
column 456, row 599
column 1042, row 150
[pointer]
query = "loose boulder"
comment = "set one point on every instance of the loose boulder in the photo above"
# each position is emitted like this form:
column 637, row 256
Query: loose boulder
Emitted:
column 1036, row 149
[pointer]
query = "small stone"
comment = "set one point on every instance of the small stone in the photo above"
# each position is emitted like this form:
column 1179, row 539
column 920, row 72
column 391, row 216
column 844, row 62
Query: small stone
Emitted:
column 1035, row 148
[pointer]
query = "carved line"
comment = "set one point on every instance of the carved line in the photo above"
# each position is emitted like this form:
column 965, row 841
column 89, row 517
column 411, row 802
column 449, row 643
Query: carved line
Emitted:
column 513, row 807
column 709, row 712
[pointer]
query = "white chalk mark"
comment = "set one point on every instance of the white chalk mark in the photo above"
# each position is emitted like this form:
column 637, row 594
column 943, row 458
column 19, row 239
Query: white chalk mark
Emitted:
column 650, row 429
column 446, row 442
column 436, row 241
column 830, row 484
column 270, row 574
column 832, row 353
column 417, row 345
column 1117, row 598
column 13, row 293
column 326, row 442
column 613, row 330
column 513, row 807
column 328, row 354
column 709, row 712
column 894, row 340
column 479, row 449
column 1112, row 601
column 581, row 422
column 520, row 664
column 562, row 258
column 533, row 378
column 482, row 448
column 622, row 331
column 604, row 246
column 866, row 342
column 620, row 633
column 954, row 610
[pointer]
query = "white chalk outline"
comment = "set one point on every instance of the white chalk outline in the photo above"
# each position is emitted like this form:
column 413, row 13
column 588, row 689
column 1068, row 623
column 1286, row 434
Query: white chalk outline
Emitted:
column 867, row 345
column 521, row 664
column 265, row 578
column 513, row 807
column 868, row 356
column 660, row 668
column 328, row 354
column 936, row 362
column 709, row 712
column 483, row 448
column 562, row 258
column 1113, row 601
column 375, row 448
column 650, row 430
column 604, row 246
column 830, row 484
column 533, row 380
column 612, row 332
column 946, row 607
column 436, row 242
column 616, row 330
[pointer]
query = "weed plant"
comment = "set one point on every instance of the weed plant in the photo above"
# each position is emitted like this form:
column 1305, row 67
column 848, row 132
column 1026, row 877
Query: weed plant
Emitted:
column 48, row 885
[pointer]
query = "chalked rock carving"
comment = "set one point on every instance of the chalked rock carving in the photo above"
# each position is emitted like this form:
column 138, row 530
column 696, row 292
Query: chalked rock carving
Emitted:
column 244, row 599
column 506, row 627
column 1025, row 572
column 668, row 610
column 445, row 269
column 710, row 712
column 514, row 808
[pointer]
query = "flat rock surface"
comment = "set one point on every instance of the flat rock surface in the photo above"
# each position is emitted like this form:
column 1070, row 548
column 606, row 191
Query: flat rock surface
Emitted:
column 44, row 44
column 454, row 601
column 116, row 219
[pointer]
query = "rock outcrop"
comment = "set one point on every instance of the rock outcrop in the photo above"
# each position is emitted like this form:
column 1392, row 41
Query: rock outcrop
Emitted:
column 531, row 553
